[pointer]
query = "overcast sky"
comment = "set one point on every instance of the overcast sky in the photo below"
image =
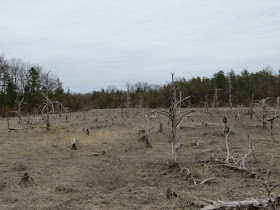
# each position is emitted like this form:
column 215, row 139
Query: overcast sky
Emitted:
column 91, row 44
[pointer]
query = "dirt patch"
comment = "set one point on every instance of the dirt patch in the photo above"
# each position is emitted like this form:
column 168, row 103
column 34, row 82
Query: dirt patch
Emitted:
column 19, row 167
column 65, row 189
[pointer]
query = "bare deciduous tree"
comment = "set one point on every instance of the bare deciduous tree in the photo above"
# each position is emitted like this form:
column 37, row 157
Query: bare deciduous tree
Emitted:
column 19, row 106
column 128, row 86
column 232, row 162
column 229, row 93
column 206, row 107
column 175, row 116
column 216, row 101
column 47, row 108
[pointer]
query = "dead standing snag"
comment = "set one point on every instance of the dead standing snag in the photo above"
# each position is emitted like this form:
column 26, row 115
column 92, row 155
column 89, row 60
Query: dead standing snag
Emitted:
column 49, row 107
column 175, row 116
column 19, row 106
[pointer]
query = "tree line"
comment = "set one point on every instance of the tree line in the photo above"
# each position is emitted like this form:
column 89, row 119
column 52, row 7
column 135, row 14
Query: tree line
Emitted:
column 242, row 87
column 23, row 81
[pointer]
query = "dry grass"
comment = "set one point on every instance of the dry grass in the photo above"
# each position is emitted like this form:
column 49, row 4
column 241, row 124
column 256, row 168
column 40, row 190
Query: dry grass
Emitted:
column 128, row 176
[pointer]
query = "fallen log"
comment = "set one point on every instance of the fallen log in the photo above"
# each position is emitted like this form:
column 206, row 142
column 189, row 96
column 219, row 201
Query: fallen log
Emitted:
column 254, row 203
column 248, row 172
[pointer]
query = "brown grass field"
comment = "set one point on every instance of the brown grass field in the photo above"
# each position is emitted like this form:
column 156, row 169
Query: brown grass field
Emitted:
column 128, row 175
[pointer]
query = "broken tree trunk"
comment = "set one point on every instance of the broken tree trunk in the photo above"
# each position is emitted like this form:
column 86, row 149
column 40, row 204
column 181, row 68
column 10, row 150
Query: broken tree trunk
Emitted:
column 161, row 127
column 232, row 162
column 250, row 203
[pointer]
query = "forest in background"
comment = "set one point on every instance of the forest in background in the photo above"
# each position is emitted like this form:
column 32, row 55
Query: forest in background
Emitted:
column 30, row 83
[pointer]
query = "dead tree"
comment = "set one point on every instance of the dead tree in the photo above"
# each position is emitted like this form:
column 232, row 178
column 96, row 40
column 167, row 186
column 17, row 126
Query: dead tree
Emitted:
column 226, row 128
column 147, row 131
column 60, row 108
column 160, row 127
column 140, row 101
column 175, row 117
column 245, row 204
column 229, row 93
column 19, row 106
column 84, row 110
column 48, row 107
column 273, row 199
column 216, row 101
column 231, row 162
column 75, row 144
column 260, row 106
column 251, row 110
column 127, row 85
column 278, row 102
column 206, row 103
column 180, row 98
column 8, row 123
column 271, row 119
column 264, row 105
column 189, row 103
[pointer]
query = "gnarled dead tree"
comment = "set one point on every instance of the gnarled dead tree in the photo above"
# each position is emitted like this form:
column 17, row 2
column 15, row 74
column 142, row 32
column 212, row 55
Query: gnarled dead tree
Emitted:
column 175, row 116
column 49, row 107
column 234, row 163
column 19, row 107
column 263, row 106
column 272, row 201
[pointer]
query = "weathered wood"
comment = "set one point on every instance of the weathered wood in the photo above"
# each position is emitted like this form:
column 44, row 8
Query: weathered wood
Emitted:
column 207, row 180
column 234, row 166
column 161, row 127
column 256, row 203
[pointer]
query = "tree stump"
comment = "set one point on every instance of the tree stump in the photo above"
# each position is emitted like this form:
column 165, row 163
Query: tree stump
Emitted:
column 26, row 180
column 161, row 127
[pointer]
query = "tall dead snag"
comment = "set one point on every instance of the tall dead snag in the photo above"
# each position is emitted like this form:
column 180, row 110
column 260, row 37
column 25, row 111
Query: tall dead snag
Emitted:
column 140, row 101
column 127, row 85
column 215, row 101
column 48, row 107
column 84, row 110
column 19, row 106
column 251, row 110
column 206, row 103
column 229, row 93
column 175, row 117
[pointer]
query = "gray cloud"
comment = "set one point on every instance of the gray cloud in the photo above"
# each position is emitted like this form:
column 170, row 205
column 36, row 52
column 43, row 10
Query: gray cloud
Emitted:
column 92, row 44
